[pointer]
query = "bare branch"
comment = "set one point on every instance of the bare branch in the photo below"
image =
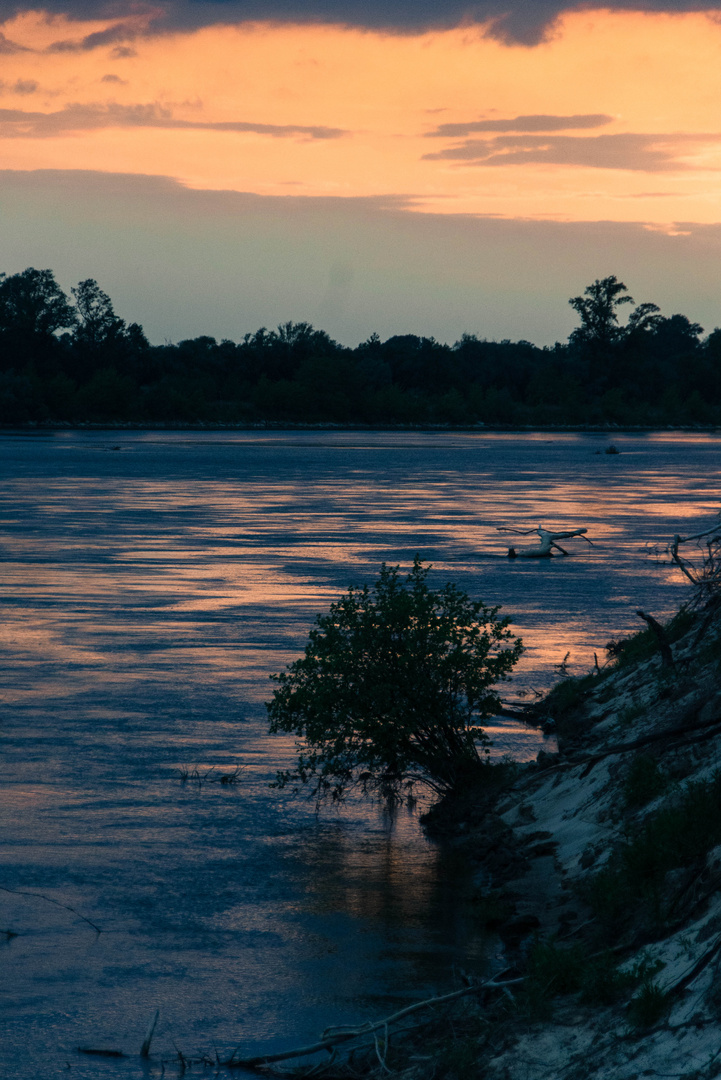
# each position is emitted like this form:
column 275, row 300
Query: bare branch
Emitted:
column 706, row 577
column 333, row 1036
column 49, row 899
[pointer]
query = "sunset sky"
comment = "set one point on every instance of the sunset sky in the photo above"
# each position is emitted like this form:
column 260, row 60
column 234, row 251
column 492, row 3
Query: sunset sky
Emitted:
column 400, row 167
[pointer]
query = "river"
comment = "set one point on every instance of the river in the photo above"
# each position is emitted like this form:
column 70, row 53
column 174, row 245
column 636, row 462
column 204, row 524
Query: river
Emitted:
column 152, row 582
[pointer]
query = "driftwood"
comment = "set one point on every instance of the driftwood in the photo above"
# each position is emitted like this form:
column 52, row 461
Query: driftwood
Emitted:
column 335, row 1036
column 706, row 578
column 49, row 899
column 548, row 541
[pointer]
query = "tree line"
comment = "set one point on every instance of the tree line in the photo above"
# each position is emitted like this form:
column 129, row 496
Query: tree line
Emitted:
column 74, row 360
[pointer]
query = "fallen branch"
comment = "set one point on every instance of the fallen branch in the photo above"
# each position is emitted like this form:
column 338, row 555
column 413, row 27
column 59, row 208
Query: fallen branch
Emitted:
column 41, row 896
column 333, row 1036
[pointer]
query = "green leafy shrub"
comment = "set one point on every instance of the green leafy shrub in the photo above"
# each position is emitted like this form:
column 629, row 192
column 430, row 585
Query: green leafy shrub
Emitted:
column 603, row 983
column 675, row 836
column 644, row 781
column 632, row 650
column 491, row 909
column 628, row 714
column 558, row 970
column 568, row 693
column 644, row 645
column 392, row 689
column 460, row 1060
column 649, row 1006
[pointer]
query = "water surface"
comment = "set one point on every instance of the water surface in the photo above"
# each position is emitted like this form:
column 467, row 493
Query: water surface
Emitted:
column 152, row 583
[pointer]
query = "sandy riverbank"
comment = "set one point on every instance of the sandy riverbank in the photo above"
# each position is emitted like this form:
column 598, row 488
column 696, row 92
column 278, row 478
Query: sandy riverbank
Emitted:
column 600, row 870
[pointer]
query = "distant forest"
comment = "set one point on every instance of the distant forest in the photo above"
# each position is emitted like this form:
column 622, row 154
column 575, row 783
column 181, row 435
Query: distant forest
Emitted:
column 66, row 360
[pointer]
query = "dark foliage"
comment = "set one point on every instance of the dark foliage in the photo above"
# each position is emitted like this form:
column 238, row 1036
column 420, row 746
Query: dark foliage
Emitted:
column 632, row 883
column 645, row 780
column 70, row 362
column 392, row 689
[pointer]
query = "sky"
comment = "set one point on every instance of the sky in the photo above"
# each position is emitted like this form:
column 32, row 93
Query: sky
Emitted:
column 404, row 166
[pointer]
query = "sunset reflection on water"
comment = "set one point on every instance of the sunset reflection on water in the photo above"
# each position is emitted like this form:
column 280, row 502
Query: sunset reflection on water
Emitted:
column 150, row 592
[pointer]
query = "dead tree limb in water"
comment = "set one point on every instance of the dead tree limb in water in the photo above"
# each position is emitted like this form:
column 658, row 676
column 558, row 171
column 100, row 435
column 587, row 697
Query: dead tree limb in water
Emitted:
column 334, row 1036
column 707, row 577
column 547, row 542
column 41, row 896
column 145, row 1048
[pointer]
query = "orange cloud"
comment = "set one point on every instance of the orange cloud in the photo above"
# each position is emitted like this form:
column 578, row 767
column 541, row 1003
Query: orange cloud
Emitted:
column 76, row 118
column 626, row 150
column 331, row 110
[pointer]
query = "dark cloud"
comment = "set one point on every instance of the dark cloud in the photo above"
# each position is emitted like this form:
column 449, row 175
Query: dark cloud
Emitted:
column 114, row 79
column 7, row 47
column 537, row 122
column 113, row 34
column 20, row 86
column 17, row 123
column 627, row 150
column 524, row 22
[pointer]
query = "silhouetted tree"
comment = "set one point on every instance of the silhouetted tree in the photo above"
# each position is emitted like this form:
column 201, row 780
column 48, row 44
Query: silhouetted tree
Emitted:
column 653, row 370
column 98, row 325
column 105, row 352
column 676, row 336
column 598, row 308
column 644, row 319
column 33, row 308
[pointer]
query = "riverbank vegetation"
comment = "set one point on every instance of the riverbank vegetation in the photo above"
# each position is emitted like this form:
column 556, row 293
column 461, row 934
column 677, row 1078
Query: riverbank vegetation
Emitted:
column 597, row 875
column 392, row 691
column 72, row 360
